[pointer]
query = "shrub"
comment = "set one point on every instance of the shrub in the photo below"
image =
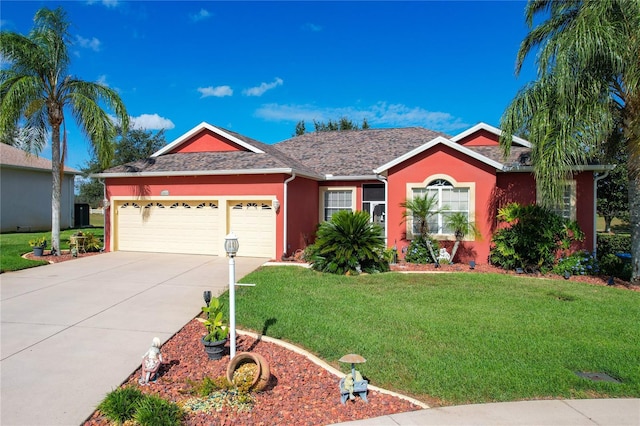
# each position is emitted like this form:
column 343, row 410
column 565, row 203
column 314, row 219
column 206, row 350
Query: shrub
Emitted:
column 610, row 264
column 120, row 404
column 418, row 251
column 533, row 238
column 155, row 411
column 578, row 263
column 348, row 243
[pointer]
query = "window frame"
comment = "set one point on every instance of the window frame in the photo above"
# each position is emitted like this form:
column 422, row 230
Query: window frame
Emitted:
column 471, row 200
column 572, row 204
column 323, row 207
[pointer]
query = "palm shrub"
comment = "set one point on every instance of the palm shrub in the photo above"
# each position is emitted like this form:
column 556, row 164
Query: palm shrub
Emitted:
column 349, row 242
column 417, row 211
column 533, row 238
column 461, row 226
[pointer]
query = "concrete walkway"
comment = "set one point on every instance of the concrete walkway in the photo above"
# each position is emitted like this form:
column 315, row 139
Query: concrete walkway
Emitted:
column 73, row 331
column 584, row 412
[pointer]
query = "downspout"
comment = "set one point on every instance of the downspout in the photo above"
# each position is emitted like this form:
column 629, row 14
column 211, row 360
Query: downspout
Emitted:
column 284, row 213
column 104, row 214
column 386, row 201
column 595, row 210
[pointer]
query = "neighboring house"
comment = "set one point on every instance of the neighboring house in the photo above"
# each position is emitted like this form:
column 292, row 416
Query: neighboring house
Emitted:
column 211, row 181
column 25, row 190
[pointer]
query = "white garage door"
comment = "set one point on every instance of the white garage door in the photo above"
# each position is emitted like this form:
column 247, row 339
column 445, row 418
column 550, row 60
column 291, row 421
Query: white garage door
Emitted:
column 254, row 222
column 168, row 226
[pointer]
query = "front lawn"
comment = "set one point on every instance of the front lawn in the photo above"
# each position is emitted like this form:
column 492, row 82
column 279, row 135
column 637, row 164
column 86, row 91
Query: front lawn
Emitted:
column 456, row 338
column 13, row 246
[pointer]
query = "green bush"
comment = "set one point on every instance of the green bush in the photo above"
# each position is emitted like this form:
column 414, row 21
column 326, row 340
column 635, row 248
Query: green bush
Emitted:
column 348, row 243
column 418, row 251
column 533, row 239
column 608, row 247
column 120, row 404
column 578, row 263
column 155, row 411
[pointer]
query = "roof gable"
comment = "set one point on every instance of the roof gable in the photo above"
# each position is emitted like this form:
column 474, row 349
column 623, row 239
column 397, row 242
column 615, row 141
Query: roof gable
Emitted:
column 483, row 134
column 207, row 138
column 446, row 142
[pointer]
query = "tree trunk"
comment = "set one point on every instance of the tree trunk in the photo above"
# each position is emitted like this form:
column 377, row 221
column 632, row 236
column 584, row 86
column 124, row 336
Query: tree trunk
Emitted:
column 56, row 189
column 634, row 222
column 455, row 249
column 607, row 223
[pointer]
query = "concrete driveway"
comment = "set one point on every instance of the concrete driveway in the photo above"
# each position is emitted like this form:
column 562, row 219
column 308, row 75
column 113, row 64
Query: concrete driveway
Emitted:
column 73, row 331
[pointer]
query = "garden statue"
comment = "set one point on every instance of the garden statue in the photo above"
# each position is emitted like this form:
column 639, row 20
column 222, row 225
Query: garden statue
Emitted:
column 444, row 256
column 151, row 361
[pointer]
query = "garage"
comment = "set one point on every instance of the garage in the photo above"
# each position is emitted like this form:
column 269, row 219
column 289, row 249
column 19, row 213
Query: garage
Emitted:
column 195, row 226
column 254, row 223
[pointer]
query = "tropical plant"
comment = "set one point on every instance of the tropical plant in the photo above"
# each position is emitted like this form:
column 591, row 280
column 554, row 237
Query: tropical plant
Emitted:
column 36, row 91
column 417, row 211
column 349, row 242
column 214, row 321
column 421, row 250
column 588, row 88
column 533, row 239
column 461, row 226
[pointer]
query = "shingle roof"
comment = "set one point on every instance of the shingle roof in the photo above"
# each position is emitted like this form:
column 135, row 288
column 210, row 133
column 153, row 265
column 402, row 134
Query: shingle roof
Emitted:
column 355, row 152
column 340, row 154
column 15, row 157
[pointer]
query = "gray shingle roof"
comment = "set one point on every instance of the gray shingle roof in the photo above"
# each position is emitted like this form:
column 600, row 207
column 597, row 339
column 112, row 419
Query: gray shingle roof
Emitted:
column 339, row 153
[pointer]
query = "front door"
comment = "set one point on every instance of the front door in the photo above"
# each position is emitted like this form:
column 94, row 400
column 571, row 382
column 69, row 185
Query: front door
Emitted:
column 373, row 202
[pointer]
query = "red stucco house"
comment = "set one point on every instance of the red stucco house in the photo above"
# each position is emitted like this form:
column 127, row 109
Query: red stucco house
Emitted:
column 211, row 181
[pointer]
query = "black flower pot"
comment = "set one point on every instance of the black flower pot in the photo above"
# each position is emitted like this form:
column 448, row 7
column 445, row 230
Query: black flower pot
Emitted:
column 38, row 251
column 215, row 350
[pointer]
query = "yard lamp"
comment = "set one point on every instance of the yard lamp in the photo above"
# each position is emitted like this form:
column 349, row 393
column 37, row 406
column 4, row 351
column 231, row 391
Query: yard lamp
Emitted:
column 231, row 246
column 206, row 295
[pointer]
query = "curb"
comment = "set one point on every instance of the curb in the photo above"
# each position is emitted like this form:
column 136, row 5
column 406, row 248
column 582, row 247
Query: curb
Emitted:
column 321, row 363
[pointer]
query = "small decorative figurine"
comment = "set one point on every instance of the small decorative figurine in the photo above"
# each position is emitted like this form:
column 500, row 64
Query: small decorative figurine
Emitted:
column 444, row 256
column 151, row 361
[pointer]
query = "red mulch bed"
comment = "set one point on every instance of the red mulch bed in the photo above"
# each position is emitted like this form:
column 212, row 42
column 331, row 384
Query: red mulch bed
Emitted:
column 62, row 257
column 299, row 392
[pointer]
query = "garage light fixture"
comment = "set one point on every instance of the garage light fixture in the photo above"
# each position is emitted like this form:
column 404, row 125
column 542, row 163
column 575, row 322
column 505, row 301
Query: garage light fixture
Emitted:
column 276, row 204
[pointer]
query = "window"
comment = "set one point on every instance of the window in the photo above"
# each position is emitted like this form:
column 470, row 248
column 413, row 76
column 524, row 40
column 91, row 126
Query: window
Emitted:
column 567, row 206
column 333, row 200
column 449, row 199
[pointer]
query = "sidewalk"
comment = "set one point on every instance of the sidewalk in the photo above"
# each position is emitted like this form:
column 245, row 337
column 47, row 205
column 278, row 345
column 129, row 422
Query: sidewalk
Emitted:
column 601, row 412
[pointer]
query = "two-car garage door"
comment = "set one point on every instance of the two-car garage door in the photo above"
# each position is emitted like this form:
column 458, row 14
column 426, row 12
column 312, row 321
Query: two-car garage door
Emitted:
column 195, row 226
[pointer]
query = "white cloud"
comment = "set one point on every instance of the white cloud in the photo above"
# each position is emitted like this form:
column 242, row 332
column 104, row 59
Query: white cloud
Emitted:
column 106, row 3
column 218, row 92
column 92, row 43
column 380, row 114
column 202, row 15
column 151, row 122
column 102, row 80
column 259, row 90
column 312, row 27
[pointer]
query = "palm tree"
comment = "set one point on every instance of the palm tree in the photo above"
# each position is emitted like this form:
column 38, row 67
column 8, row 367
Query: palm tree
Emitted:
column 418, row 210
column 587, row 55
column 36, row 91
column 461, row 226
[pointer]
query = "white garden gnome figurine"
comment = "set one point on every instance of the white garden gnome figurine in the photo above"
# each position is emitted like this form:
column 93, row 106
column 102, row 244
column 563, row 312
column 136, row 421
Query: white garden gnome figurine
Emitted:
column 151, row 361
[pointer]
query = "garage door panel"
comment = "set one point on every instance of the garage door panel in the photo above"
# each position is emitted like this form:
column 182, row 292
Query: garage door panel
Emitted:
column 254, row 224
column 168, row 227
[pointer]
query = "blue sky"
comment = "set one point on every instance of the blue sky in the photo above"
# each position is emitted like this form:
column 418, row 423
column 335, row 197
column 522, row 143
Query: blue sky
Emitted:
column 259, row 67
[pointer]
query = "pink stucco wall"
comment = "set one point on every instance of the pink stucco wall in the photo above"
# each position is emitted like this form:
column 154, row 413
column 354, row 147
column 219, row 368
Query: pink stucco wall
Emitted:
column 459, row 167
column 207, row 141
column 303, row 207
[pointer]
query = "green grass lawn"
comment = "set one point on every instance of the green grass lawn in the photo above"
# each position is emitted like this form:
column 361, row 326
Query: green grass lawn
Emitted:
column 14, row 245
column 455, row 338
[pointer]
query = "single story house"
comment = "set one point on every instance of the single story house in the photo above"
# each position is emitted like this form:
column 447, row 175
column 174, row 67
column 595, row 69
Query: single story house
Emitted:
column 26, row 185
column 210, row 181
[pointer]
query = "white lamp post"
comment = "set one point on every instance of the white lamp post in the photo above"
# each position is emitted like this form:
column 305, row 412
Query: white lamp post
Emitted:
column 231, row 246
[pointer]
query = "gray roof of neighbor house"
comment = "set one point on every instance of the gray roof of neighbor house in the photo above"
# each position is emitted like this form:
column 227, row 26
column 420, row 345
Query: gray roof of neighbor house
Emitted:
column 17, row 158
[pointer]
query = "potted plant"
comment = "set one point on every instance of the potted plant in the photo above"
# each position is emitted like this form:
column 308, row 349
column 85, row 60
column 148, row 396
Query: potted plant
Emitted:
column 217, row 331
column 38, row 245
